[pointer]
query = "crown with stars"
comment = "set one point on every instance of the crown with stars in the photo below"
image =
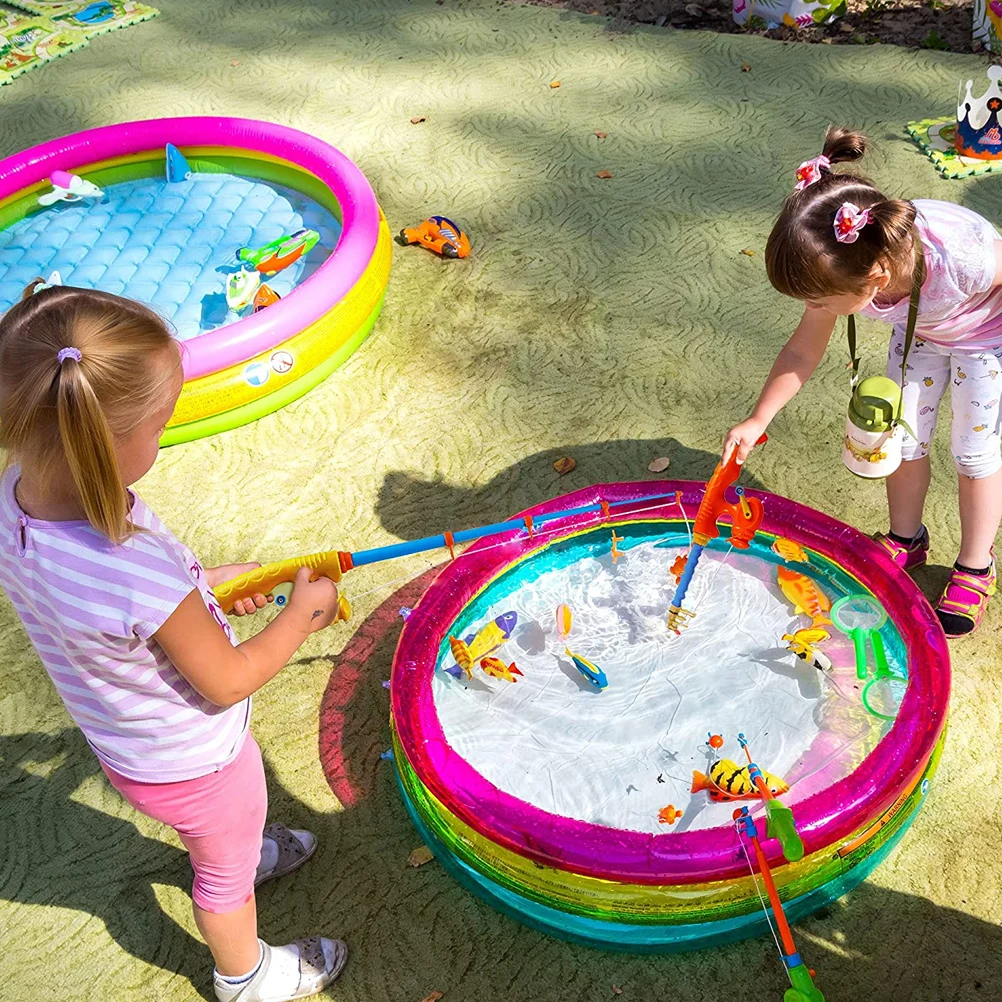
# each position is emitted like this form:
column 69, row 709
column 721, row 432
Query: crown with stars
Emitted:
column 979, row 131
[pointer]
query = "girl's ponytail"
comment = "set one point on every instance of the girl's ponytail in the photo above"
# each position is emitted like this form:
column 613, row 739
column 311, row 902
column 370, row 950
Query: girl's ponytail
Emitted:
column 89, row 448
column 892, row 221
column 842, row 145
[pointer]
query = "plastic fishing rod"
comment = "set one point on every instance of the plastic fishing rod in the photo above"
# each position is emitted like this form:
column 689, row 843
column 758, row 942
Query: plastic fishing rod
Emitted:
column 333, row 563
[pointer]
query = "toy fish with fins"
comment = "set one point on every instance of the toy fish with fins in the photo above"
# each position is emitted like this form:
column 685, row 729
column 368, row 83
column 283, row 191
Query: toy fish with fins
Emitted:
column 487, row 640
column 668, row 815
column 729, row 781
column 790, row 551
column 803, row 644
column 496, row 668
column 280, row 253
column 804, row 594
column 678, row 566
column 592, row 672
column 240, row 288
column 264, row 297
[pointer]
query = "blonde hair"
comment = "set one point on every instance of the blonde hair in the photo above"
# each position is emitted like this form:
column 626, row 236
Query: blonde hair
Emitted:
column 59, row 416
column 802, row 257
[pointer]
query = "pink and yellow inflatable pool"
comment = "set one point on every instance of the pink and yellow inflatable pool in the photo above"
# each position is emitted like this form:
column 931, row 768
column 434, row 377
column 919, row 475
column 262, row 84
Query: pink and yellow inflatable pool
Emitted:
column 172, row 244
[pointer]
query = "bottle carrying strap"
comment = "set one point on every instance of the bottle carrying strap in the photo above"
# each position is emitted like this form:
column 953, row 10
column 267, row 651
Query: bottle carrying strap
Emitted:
column 918, row 278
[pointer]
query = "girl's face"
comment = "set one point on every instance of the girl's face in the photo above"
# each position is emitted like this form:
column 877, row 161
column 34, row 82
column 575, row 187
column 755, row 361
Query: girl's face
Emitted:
column 137, row 452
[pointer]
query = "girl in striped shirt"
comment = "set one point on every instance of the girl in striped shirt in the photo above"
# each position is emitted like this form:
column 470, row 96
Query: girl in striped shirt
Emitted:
column 842, row 247
column 123, row 617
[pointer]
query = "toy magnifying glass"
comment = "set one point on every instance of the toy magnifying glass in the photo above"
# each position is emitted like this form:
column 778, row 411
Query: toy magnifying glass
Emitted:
column 861, row 617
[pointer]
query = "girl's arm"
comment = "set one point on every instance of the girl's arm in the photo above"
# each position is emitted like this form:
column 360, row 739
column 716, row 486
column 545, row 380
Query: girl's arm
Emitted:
column 793, row 367
column 225, row 674
column 998, row 263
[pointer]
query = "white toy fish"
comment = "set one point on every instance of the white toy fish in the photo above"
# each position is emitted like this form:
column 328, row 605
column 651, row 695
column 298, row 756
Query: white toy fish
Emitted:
column 69, row 188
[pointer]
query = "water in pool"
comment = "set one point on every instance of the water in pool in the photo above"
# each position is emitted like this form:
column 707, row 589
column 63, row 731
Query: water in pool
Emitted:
column 617, row 757
column 168, row 245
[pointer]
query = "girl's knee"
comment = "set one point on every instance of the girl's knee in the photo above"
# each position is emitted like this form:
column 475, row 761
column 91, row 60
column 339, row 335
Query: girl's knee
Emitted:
column 978, row 465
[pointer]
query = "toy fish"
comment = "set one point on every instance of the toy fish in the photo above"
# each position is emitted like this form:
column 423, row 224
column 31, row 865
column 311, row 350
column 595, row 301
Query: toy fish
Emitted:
column 264, row 297
column 678, row 566
column 496, row 668
column 69, row 188
column 804, row 594
column 177, row 165
column 790, row 551
column 240, row 288
column 280, row 253
column 812, row 656
column 668, row 815
column 592, row 672
column 729, row 781
column 564, row 621
column 471, row 649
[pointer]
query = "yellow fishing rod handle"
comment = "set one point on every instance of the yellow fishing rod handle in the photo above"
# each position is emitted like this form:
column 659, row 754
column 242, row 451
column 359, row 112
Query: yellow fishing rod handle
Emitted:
column 264, row 580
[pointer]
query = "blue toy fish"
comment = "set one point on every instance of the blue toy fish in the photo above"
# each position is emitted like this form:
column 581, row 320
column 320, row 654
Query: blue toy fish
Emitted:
column 592, row 672
column 177, row 166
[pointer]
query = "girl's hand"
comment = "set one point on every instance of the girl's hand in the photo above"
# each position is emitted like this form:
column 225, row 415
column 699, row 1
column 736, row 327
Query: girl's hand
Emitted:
column 226, row 572
column 313, row 603
column 743, row 437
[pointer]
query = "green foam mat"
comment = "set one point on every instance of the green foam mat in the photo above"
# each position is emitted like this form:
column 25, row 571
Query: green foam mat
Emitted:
column 934, row 137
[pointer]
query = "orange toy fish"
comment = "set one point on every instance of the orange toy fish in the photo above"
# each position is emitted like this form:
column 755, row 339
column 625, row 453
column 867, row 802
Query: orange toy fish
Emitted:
column 668, row 815
column 807, row 598
column 264, row 297
column 565, row 620
column 729, row 781
column 461, row 652
column 496, row 668
column 678, row 567
column 790, row 551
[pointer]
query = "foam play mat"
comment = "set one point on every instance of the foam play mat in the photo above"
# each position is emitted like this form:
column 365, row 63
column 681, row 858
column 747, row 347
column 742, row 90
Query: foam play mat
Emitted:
column 38, row 32
column 934, row 137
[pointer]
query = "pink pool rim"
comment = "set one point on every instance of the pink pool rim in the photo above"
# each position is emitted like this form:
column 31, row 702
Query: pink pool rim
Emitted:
column 679, row 857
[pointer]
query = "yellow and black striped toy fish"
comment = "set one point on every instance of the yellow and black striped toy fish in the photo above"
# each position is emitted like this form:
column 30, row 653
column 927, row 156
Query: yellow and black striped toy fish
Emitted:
column 729, row 781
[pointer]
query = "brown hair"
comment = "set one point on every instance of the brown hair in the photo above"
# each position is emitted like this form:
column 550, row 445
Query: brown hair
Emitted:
column 67, row 416
column 802, row 257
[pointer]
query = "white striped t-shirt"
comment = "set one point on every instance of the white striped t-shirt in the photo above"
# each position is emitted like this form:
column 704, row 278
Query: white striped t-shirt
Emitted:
column 90, row 609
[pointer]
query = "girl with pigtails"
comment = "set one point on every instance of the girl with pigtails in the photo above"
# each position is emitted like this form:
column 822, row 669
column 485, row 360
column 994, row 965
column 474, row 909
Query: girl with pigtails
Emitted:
column 123, row 617
column 842, row 247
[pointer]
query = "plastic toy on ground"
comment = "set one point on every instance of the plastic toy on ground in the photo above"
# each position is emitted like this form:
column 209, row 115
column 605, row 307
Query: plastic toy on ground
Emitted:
column 440, row 235
column 250, row 183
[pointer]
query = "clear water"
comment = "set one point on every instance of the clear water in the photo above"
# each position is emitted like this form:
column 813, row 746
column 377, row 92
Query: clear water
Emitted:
column 169, row 245
column 618, row 756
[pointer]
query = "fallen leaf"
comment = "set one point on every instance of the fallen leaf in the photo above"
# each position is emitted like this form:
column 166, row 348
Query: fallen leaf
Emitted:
column 421, row 855
column 435, row 996
column 748, row 253
column 418, row 119
column 694, row 10
column 604, row 174
column 564, row 465
column 659, row 465
column 236, row 62
column 746, row 68
column 616, row 990
column 554, row 84
column 601, row 135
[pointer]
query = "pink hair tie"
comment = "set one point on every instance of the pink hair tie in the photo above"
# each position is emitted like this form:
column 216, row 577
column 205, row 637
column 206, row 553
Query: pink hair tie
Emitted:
column 849, row 220
column 810, row 171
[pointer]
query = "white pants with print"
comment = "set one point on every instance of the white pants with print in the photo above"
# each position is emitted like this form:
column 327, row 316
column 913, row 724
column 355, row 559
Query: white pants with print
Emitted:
column 975, row 380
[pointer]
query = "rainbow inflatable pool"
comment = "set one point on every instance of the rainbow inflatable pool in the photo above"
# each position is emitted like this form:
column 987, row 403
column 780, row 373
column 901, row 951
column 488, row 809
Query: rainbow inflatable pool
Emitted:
column 548, row 797
column 171, row 244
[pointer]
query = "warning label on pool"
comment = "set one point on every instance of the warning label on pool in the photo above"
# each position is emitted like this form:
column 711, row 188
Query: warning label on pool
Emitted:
column 256, row 374
column 282, row 361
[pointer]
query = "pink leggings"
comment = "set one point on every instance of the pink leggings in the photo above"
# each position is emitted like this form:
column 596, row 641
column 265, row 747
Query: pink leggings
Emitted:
column 218, row 817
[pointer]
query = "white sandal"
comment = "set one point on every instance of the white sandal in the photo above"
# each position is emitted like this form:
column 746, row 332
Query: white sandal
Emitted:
column 284, row 975
column 294, row 848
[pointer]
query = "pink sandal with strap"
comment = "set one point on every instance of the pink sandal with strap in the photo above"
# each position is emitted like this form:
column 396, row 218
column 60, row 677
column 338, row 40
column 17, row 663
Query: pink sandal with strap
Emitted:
column 965, row 597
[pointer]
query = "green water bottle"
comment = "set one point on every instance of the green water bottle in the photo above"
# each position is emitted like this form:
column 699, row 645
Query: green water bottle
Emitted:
column 872, row 444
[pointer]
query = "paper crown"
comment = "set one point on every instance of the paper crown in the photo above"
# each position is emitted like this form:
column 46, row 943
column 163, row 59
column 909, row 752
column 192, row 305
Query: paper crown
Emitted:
column 979, row 131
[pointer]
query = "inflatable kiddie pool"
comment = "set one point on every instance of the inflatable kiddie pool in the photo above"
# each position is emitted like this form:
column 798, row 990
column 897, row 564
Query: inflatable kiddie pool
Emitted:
column 548, row 797
column 172, row 245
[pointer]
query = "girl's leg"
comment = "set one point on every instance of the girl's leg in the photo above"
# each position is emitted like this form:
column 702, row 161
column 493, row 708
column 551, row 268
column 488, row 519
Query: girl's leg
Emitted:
column 980, row 515
column 927, row 376
column 906, row 490
column 231, row 938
